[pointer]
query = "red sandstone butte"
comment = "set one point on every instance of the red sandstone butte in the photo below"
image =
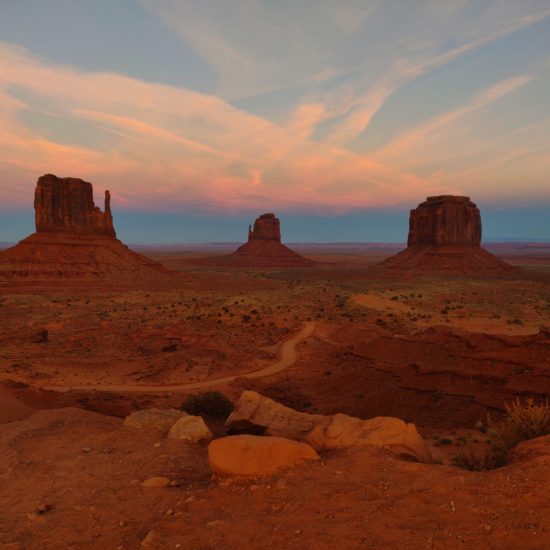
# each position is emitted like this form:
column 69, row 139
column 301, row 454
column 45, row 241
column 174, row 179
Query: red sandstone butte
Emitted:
column 266, row 228
column 67, row 204
column 264, row 247
column 75, row 244
column 445, row 237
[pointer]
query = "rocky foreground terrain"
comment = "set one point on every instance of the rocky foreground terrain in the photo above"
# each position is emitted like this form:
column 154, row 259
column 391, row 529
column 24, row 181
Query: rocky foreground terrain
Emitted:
column 76, row 479
column 440, row 356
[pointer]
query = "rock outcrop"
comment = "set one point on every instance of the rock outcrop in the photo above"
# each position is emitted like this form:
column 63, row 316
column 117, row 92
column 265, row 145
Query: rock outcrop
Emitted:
column 67, row 204
column 264, row 248
column 161, row 420
column 75, row 245
column 445, row 237
column 191, row 429
column 266, row 228
column 251, row 455
column 445, row 220
column 253, row 412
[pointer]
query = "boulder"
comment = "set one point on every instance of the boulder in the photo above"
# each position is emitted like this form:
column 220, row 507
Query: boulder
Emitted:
column 400, row 437
column 190, row 428
column 156, row 482
column 252, row 455
column 254, row 411
column 161, row 420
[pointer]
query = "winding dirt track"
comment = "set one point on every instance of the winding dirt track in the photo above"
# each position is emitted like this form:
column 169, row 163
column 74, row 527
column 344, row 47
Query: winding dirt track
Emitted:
column 287, row 358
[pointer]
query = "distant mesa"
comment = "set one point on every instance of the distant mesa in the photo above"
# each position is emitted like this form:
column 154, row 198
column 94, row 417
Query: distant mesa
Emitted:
column 445, row 220
column 445, row 237
column 266, row 228
column 264, row 247
column 75, row 244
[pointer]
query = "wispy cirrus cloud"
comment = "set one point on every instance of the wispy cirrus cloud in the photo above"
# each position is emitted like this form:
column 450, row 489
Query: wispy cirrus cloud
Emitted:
column 294, row 87
column 410, row 142
column 177, row 146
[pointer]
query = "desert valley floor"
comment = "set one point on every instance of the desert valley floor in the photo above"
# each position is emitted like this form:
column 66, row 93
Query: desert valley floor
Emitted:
column 340, row 337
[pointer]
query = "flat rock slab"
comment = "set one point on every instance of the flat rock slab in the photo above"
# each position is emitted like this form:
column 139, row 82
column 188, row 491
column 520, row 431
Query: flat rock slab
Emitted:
column 251, row 455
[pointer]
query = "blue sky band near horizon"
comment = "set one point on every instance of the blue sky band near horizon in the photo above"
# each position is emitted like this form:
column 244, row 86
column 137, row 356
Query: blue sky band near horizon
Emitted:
column 338, row 115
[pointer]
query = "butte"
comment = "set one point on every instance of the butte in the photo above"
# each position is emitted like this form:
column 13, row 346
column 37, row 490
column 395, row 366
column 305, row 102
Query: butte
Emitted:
column 264, row 248
column 75, row 245
column 445, row 238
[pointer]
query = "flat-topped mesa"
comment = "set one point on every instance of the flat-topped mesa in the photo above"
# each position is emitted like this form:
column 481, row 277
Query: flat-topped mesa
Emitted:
column 445, row 238
column 67, row 205
column 266, row 228
column 445, row 220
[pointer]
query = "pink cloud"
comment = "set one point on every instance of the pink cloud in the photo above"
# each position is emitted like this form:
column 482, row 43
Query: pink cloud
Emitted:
column 170, row 147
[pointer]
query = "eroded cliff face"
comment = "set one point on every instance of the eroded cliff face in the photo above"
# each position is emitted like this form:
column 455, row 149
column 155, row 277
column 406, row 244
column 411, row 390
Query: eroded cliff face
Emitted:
column 445, row 220
column 445, row 238
column 75, row 245
column 266, row 228
column 67, row 204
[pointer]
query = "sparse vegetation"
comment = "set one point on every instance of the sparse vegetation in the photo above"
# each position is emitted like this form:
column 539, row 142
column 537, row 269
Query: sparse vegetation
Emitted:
column 523, row 420
column 495, row 458
column 211, row 403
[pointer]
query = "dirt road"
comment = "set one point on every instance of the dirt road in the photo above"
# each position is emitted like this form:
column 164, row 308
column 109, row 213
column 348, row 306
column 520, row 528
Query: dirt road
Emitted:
column 287, row 358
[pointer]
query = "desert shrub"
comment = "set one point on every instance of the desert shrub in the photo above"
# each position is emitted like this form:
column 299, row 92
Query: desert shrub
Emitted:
column 521, row 422
column 496, row 457
column 210, row 403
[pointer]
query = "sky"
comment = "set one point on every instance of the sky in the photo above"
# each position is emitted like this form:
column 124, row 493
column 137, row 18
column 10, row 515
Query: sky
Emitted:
column 338, row 115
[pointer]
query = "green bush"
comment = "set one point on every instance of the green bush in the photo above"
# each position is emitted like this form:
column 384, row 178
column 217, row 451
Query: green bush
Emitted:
column 210, row 403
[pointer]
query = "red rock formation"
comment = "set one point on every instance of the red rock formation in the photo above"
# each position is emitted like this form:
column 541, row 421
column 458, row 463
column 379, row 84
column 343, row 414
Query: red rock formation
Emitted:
column 75, row 245
column 264, row 247
column 445, row 220
column 67, row 204
column 266, row 228
column 445, row 237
